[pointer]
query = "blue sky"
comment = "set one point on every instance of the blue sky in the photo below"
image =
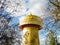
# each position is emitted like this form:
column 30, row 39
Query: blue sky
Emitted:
column 36, row 7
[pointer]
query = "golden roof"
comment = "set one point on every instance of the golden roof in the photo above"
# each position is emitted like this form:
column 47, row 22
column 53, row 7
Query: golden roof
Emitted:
column 30, row 20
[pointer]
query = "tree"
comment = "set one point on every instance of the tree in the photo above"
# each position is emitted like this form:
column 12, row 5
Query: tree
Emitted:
column 54, row 8
column 8, row 36
column 50, row 39
column 54, row 20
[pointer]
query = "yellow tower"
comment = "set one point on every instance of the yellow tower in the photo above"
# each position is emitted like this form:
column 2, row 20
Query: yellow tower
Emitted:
column 30, row 25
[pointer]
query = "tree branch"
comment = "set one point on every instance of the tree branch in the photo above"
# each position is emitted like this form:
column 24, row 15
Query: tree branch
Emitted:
column 54, row 4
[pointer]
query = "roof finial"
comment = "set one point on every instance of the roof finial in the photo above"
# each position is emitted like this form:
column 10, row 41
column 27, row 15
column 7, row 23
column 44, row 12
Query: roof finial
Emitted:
column 30, row 13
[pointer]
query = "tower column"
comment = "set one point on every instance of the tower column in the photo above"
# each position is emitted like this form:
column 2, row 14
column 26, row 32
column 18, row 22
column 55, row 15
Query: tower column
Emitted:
column 30, row 36
column 30, row 25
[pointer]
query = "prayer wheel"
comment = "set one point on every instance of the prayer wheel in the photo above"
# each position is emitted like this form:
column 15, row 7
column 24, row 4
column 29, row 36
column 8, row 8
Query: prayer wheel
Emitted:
column 30, row 24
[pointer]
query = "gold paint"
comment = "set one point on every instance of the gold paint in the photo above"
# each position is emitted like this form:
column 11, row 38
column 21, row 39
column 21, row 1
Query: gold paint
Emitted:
column 30, row 25
column 30, row 36
column 30, row 19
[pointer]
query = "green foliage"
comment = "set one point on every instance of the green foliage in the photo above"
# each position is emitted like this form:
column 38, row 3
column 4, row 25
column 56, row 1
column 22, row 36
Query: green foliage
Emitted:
column 50, row 39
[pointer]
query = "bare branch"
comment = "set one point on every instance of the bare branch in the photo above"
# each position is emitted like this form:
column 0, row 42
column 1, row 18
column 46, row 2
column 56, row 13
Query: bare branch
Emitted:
column 54, row 4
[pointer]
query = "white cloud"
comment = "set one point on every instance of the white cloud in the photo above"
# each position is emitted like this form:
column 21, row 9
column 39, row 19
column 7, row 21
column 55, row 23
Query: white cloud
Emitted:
column 58, row 38
column 39, row 8
column 42, row 41
column 36, row 10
